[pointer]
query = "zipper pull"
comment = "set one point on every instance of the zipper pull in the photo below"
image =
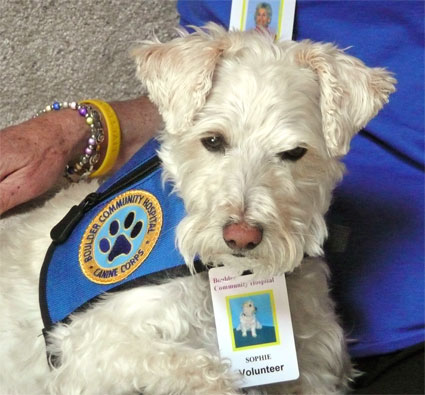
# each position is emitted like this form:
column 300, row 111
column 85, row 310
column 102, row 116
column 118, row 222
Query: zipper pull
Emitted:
column 63, row 229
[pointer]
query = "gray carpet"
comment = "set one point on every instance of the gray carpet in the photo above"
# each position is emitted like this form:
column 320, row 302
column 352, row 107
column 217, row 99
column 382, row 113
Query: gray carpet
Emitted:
column 73, row 50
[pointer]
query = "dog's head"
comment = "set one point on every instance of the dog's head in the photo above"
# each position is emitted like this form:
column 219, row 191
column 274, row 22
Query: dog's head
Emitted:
column 248, row 308
column 254, row 133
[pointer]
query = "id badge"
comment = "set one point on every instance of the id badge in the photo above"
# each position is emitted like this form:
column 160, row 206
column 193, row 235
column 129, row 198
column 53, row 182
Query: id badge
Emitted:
column 254, row 326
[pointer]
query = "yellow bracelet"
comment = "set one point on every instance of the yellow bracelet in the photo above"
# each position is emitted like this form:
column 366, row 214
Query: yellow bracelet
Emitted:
column 114, row 136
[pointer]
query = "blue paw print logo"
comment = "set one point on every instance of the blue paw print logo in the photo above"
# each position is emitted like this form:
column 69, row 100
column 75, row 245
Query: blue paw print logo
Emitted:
column 122, row 243
column 120, row 238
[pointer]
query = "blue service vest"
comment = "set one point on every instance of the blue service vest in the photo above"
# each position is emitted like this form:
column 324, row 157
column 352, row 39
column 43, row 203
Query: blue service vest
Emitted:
column 115, row 239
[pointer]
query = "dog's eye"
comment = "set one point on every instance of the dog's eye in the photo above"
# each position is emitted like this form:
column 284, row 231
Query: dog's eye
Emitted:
column 293, row 154
column 214, row 143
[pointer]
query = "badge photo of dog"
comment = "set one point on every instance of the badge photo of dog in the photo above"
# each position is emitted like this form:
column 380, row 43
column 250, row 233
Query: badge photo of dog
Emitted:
column 248, row 319
column 254, row 132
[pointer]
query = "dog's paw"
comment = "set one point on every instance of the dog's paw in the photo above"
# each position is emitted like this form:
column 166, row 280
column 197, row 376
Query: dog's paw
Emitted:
column 122, row 236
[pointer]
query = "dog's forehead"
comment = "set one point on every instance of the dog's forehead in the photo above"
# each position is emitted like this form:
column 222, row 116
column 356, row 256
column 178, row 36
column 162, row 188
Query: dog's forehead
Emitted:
column 258, row 97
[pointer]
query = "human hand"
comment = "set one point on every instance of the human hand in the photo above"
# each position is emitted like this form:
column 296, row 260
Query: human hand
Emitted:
column 33, row 155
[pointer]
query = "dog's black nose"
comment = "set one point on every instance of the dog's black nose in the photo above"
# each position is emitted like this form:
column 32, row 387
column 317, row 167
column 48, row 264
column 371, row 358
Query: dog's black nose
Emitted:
column 241, row 236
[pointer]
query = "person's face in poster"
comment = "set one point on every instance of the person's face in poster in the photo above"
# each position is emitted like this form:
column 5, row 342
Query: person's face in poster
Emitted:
column 262, row 18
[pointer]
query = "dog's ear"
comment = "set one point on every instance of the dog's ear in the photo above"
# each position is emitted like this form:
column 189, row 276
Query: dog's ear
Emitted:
column 178, row 74
column 351, row 94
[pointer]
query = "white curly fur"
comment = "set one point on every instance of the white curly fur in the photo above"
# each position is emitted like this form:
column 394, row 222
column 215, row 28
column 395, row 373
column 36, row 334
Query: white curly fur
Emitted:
column 263, row 98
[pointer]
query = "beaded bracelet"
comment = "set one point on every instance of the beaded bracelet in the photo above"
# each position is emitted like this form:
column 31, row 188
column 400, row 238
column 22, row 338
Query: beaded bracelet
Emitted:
column 114, row 136
column 83, row 167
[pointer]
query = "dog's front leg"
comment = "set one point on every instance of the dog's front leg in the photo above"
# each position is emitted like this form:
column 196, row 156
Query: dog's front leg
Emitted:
column 156, row 368
column 180, row 369
column 151, row 340
column 253, row 330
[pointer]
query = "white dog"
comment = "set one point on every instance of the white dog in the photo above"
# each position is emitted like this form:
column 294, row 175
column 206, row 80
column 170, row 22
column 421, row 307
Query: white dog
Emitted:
column 253, row 137
column 248, row 319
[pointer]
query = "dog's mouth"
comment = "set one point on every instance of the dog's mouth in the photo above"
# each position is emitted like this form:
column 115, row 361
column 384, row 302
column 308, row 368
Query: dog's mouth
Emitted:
column 238, row 255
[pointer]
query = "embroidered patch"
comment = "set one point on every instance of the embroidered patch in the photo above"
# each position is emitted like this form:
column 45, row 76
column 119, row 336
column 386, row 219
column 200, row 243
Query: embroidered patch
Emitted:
column 120, row 237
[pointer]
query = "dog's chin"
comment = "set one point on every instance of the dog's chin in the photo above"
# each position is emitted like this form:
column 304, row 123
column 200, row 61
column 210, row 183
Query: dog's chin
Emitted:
column 242, row 263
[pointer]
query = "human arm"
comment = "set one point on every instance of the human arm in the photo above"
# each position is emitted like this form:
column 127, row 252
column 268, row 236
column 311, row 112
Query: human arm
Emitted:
column 33, row 154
